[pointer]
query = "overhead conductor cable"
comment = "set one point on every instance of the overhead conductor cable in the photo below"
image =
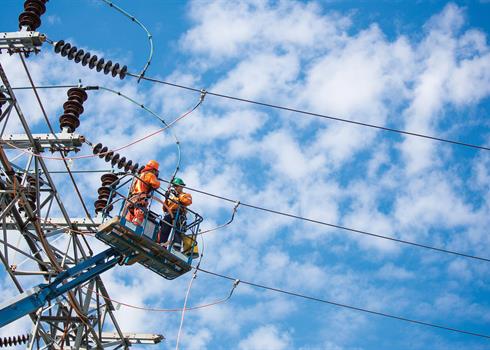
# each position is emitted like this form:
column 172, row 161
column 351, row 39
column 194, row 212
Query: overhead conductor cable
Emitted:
column 190, row 308
column 235, row 208
column 148, row 34
column 169, row 125
column 295, row 110
column 298, row 217
column 355, row 308
column 408, row 133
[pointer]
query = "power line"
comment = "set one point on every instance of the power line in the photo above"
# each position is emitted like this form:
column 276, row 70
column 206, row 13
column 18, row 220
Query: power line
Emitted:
column 297, row 217
column 295, row 110
column 85, row 156
column 409, row 133
column 355, row 308
column 345, row 228
column 148, row 34
column 419, row 245
column 190, row 308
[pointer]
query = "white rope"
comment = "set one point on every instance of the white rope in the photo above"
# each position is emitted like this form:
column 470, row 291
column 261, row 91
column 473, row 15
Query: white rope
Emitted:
column 183, row 310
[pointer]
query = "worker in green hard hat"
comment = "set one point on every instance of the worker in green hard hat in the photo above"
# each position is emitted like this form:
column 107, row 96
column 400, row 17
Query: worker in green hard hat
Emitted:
column 174, row 208
column 177, row 181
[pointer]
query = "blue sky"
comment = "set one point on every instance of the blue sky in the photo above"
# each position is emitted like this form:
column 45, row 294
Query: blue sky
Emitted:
column 422, row 67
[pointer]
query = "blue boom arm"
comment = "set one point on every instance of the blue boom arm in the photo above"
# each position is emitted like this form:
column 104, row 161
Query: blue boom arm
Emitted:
column 33, row 299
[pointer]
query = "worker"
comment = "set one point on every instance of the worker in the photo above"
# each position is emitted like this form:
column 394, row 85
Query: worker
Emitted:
column 140, row 192
column 175, row 214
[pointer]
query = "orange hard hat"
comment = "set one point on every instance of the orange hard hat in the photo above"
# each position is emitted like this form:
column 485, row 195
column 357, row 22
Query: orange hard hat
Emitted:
column 152, row 164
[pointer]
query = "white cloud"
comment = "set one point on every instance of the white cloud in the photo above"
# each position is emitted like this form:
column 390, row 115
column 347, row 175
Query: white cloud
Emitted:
column 304, row 56
column 238, row 27
column 391, row 271
column 266, row 337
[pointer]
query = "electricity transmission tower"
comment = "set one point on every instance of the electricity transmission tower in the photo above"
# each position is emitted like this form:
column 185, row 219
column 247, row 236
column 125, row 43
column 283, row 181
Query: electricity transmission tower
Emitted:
column 35, row 247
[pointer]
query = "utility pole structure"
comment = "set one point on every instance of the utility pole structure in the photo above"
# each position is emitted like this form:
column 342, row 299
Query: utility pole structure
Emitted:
column 28, row 195
column 36, row 248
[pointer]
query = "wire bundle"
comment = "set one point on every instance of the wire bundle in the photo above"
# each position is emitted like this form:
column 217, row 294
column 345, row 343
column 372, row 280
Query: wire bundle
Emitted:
column 78, row 55
column 108, row 180
column 18, row 340
column 116, row 160
column 72, row 109
column 31, row 17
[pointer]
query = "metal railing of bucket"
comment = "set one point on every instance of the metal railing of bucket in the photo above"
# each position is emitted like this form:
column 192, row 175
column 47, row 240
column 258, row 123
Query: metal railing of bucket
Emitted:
column 184, row 223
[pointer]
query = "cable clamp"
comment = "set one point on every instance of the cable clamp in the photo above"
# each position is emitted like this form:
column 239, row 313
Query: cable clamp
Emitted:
column 235, row 208
column 203, row 94
column 235, row 284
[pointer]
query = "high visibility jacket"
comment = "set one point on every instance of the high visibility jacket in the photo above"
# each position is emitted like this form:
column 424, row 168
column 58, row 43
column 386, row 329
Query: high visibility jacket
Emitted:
column 185, row 199
column 147, row 183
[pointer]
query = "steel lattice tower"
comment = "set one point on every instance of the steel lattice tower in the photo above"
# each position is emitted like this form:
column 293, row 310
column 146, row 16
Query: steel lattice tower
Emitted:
column 45, row 246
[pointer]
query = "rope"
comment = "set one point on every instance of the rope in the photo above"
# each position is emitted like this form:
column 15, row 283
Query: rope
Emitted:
column 194, row 275
column 191, row 308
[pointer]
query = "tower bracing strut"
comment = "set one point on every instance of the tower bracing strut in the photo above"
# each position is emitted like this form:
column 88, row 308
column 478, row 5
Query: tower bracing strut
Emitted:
column 37, row 297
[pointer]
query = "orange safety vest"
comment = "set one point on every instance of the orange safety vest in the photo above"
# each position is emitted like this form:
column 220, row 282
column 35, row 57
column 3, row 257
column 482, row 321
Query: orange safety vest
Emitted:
column 147, row 183
column 185, row 199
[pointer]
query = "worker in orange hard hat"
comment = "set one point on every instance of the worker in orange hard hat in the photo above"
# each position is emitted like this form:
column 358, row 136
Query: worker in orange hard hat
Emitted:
column 175, row 214
column 140, row 192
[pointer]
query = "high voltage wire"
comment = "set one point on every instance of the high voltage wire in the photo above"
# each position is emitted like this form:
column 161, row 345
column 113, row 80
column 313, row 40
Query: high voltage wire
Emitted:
column 370, row 234
column 318, row 222
column 155, row 115
column 93, row 155
column 419, row 245
column 295, row 110
column 423, row 323
column 148, row 34
column 44, row 87
column 298, row 217
column 404, row 132
column 355, row 308
column 363, row 232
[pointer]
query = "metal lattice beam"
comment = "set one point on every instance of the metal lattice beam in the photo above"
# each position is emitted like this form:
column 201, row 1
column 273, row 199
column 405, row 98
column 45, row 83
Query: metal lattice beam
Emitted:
column 44, row 142
column 32, row 246
column 22, row 41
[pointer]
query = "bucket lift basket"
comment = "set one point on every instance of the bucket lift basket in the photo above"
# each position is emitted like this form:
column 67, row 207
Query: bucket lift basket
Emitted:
column 137, row 244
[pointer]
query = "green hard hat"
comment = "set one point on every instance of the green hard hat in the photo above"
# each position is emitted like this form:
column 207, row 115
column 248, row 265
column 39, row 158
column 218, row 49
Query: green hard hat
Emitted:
column 178, row 181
